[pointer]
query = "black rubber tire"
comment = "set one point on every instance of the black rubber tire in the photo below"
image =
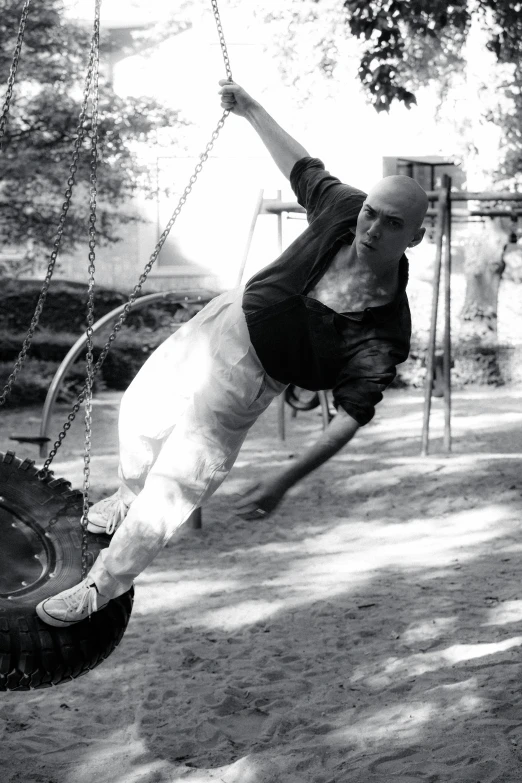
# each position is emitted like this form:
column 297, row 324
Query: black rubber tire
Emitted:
column 301, row 399
column 32, row 653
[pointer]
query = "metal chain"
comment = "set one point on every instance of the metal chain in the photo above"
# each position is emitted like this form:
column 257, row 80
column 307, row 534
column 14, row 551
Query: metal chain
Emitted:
column 137, row 289
column 90, row 296
column 14, row 68
column 71, row 181
column 222, row 41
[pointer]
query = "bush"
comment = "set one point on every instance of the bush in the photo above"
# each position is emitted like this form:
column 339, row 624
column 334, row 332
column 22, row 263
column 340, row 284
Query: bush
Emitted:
column 45, row 345
column 33, row 381
column 473, row 363
column 63, row 321
column 65, row 307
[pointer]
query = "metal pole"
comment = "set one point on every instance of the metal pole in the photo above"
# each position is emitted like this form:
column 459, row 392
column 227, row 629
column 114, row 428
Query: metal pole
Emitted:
column 279, row 226
column 325, row 412
column 195, row 520
column 430, row 358
column 446, row 367
column 257, row 211
column 281, row 429
column 75, row 351
column 281, row 399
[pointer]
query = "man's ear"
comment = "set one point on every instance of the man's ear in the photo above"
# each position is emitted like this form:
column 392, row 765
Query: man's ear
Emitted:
column 417, row 239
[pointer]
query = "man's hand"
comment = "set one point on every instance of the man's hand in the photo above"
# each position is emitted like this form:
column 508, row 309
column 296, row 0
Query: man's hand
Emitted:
column 264, row 497
column 235, row 98
column 261, row 499
column 285, row 150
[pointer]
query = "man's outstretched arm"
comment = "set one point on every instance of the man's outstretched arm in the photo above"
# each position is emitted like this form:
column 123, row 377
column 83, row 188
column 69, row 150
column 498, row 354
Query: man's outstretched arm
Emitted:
column 284, row 149
column 267, row 494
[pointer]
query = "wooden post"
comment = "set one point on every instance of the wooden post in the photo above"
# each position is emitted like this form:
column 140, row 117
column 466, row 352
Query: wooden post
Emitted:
column 430, row 359
column 446, row 367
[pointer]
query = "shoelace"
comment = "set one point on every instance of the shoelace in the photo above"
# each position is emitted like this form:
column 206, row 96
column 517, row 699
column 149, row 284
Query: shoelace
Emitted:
column 89, row 597
column 116, row 511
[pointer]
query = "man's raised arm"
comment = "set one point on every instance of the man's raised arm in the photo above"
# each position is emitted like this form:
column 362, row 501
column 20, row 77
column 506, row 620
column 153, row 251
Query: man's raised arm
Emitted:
column 285, row 150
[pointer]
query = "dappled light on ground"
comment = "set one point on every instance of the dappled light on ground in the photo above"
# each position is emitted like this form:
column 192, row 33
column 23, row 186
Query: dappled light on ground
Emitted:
column 370, row 631
column 420, row 663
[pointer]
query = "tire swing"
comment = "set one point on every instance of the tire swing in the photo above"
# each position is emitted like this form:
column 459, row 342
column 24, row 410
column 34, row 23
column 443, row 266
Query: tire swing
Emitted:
column 46, row 547
column 41, row 541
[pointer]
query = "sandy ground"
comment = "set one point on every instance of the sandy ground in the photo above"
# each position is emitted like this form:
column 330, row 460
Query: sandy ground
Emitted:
column 370, row 631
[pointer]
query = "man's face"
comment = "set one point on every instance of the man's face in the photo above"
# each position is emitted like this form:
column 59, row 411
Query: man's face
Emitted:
column 389, row 222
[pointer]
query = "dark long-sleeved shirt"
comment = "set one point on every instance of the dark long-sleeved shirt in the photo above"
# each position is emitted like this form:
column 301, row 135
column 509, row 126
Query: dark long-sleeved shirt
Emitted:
column 301, row 341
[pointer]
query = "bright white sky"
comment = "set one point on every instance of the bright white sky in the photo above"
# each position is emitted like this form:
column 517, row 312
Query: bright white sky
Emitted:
column 343, row 130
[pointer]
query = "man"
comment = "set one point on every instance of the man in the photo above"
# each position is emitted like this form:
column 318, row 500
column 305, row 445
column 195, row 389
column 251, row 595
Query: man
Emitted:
column 330, row 313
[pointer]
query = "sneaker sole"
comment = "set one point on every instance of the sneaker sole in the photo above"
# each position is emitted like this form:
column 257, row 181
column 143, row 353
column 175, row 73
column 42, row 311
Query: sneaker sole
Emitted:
column 48, row 619
column 97, row 529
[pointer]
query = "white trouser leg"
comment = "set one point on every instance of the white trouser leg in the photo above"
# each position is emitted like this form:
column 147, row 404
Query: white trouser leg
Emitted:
column 176, row 457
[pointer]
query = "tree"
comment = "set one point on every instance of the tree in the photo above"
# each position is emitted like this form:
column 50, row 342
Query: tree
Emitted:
column 400, row 38
column 38, row 143
column 405, row 46
column 401, row 46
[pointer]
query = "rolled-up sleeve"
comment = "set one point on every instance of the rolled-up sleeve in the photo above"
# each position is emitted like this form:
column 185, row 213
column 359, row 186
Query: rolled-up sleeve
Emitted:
column 364, row 378
column 316, row 189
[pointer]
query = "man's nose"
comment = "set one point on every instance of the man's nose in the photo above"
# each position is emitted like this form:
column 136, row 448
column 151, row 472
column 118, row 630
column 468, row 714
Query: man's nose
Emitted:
column 374, row 231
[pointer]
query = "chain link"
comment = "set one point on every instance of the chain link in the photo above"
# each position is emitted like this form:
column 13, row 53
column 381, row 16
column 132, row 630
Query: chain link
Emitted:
column 71, row 181
column 137, row 289
column 90, row 296
column 85, row 395
column 14, row 67
column 222, row 41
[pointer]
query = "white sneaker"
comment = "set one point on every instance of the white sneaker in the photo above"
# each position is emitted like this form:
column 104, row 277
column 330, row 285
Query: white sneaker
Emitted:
column 72, row 605
column 107, row 515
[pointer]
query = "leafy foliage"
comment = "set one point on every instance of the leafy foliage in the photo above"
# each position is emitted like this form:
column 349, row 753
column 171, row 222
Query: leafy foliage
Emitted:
column 401, row 36
column 42, row 124
column 401, row 46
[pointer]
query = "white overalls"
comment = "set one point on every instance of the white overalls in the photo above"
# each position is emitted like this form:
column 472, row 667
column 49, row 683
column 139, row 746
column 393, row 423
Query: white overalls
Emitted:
column 181, row 425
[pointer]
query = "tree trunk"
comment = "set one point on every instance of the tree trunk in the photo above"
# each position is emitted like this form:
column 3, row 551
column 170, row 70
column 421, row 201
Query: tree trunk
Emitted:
column 476, row 355
column 483, row 266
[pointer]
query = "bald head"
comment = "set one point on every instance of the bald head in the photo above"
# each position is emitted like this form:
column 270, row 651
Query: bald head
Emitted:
column 390, row 221
column 405, row 194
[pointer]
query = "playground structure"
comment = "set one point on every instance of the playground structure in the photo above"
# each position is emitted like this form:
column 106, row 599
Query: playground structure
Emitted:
column 442, row 211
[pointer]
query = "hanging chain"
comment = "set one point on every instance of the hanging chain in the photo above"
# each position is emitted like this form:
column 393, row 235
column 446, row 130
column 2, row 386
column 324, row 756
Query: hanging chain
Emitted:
column 14, row 68
column 137, row 289
column 90, row 295
column 71, row 181
column 222, row 41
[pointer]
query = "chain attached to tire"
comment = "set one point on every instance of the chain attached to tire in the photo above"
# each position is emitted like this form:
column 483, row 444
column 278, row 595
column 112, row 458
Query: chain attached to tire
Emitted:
column 71, row 181
column 85, row 394
column 90, row 295
column 14, row 67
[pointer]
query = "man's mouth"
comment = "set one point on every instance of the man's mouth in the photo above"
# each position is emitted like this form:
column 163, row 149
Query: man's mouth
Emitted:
column 366, row 244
